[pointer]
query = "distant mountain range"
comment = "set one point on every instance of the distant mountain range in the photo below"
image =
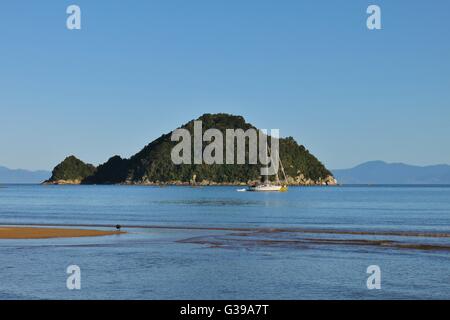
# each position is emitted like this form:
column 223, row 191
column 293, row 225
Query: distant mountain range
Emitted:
column 22, row 176
column 380, row 172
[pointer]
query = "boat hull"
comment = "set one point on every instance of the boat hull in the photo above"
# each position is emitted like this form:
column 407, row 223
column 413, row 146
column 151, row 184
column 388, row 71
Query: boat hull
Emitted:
column 268, row 188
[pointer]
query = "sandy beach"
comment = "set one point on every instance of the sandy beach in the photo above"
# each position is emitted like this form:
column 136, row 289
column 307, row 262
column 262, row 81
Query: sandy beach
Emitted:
column 47, row 233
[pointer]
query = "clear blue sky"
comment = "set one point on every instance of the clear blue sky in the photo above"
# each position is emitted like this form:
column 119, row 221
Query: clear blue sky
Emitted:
column 138, row 69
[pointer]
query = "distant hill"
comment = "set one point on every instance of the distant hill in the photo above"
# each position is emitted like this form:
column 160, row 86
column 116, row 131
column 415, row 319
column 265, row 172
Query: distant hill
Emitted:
column 72, row 171
column 22, row 176
column 380, row 172
column 153, row 165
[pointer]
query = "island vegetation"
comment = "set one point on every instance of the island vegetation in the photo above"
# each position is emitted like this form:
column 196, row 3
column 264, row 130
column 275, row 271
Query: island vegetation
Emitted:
column 153, row 166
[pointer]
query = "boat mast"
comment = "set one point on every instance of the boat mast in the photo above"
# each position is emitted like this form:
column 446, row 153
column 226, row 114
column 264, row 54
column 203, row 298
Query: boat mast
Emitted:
column 282, row 170
column 277, row 178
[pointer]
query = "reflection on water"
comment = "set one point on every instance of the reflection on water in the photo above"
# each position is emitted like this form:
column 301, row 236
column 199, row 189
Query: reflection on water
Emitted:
column 211, row 202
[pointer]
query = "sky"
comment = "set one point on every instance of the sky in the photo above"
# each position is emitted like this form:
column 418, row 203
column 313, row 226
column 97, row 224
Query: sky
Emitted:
column 138, row 69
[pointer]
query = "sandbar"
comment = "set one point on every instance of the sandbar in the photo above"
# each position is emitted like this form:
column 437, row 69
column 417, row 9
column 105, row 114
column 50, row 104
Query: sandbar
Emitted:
column 47, row 233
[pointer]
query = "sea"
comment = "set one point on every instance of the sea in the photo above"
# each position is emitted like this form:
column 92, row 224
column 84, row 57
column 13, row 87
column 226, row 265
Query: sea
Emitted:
column 345, row 242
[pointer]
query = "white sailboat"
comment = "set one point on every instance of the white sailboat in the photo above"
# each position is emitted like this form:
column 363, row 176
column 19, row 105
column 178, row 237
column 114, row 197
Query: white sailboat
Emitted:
column 268, row 186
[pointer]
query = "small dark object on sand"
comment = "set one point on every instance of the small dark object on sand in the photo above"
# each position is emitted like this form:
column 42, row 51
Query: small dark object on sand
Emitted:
column 118, row 226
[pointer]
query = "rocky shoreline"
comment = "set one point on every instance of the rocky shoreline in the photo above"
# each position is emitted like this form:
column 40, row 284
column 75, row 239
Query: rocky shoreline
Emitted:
column 297, row 181
column 62, row 182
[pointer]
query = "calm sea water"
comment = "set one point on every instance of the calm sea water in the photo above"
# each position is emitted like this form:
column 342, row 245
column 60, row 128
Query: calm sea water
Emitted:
column 308, row 243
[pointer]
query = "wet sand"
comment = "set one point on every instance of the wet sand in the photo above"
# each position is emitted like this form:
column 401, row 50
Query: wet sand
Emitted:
column 47, row 233
column 247, row 241
column 302, row 239
column 249, row 237
column 253, row 230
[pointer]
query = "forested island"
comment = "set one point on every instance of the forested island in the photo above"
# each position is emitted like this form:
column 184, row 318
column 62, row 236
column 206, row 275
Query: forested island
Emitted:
column 153, row 165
